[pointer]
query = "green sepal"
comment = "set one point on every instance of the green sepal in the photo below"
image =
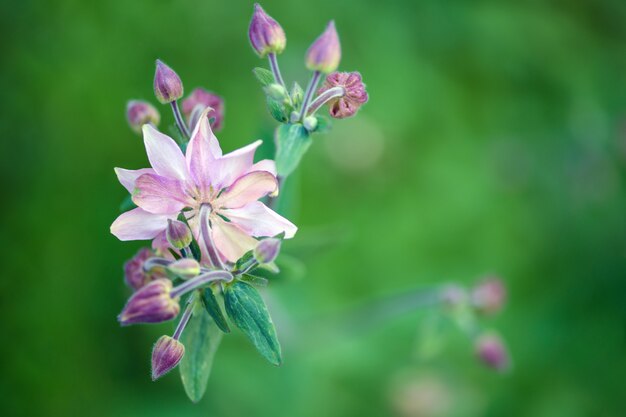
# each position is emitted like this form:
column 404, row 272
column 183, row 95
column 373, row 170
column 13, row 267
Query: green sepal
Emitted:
column 213, row 307
column 248, row 312
column 127, row 203
column 254, row 280
column 265, row 77
column 195, row 248
column 292, row 142
column 174, row 253
column 201, row 339
column 277, row 110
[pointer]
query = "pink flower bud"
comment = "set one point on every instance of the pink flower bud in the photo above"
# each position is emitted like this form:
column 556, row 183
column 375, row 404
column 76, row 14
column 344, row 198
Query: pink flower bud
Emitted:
column 200, row 99
column 491, row 351
column 489, row 296
column 166, row 354
column 138, row 113
column 266, row 35
column 185, row 268
column 151, row 303
column 134, row 274
column 178, row 234
column 167, row 84
column 325, row 53
column 355, row 95
column 267, row 250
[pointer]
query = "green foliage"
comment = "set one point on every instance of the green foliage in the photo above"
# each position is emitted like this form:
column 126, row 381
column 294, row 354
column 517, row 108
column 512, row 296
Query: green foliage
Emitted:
column 264, row 76
column 213, row 307
column 292, row 142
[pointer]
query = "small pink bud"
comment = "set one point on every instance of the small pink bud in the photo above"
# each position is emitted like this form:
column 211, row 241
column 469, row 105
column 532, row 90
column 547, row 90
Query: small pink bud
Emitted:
column 151, row 303
column 178, row 234
column 325, row 53
column 166, row 354
column 185, row 268
column 139, row 113
column 355, row 95
column 489, row 296
column 134, row 274
column 491, row 351
column 167, row 84
column 200, row 99
column 266, row 35
column 267, row 250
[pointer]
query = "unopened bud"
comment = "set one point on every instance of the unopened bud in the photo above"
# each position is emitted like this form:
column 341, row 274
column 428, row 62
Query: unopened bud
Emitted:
column 166, row 354
column 167, row 84
column 277, row 92
column 152, row 303
column 266, row 35
column 489, row 296
column 178, row 234
column 195, row 103
column 185, row 268
column 325, row 53
column 134, row 273
column 297, row 95
column 139, row 112
column 267, row 250
column 310, row 123
column 491, row 351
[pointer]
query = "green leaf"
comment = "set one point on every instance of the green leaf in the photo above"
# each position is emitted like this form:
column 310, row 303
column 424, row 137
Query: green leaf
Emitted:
column 292, row 142
column 213, row 307
column 254, row 280
column 246, row 309
column 277, row 110
column 201, row 339
column 264, row 76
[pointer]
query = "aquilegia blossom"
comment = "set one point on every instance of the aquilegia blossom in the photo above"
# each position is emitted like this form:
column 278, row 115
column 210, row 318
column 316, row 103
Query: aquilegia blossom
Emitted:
column 211, row 187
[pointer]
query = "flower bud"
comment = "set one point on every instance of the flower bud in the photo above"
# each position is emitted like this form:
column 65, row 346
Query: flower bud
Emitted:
column 491, row 351
column 277, row 92
column 310, row 123
column 185, row 268
column 134, row 273
column 167, row 84
column 354, row 97
column 195, row 103
column 151, row 303
column 325, row 53
column 267, row 250
column 266, row 35
column 166, row 354
column 178, row 234
column 489, row 296
column 138, row 113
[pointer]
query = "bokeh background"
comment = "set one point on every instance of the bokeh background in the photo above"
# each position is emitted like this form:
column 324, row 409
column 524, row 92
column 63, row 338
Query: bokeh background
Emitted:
column 494, row 143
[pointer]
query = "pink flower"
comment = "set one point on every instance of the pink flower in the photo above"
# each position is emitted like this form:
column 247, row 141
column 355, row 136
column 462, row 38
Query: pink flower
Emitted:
column 200, row 99
column 355, row 95
column 226, row 187
column 134, row 274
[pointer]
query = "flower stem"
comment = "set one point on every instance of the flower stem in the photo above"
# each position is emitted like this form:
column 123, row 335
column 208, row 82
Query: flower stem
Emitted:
column 214, row 257
column 183, row 320
column 179, row 119
column 199, row 281
column 325, row 97
column 152, row 262
column 309, row 93
column 275, row 69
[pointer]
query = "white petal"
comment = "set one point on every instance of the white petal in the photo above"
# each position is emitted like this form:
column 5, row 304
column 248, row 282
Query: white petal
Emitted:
column 164, row 154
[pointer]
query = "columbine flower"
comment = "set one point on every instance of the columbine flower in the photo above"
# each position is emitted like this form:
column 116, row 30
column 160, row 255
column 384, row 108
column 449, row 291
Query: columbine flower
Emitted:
column 266, row 35
column 354, row 97
column 134, row 273
column 166, row 354
column 325, row 53
column 138, row 113
column 151, row 303
column 216, row 188
column 198, row 101
column 489, row 296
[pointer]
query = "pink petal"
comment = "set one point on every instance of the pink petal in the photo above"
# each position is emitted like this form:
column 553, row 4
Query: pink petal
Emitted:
column 264, row 165
column 247, row 189
column 233, row 165
column 160, row 195
column 258, row 220
column 164, row 154
column 138, row 224
column 230, row 240
column 127, row 177
column 202, row 151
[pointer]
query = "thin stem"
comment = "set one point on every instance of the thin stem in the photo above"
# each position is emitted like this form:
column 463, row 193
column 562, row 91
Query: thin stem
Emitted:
column 214, row 257
column 185, row 252
column 325, row 97
column 152, row 262
column 183, row 320
column 179, row 119
column 199, row 281
column 275, row 69
column 309, row 93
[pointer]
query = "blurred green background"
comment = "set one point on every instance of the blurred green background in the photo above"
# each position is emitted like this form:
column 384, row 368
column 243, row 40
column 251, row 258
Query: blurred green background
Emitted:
column 494, row 142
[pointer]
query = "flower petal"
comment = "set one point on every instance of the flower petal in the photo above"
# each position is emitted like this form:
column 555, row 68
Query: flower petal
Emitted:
column 202, row 151
column 164, row 154
column 258, row 220
column 247, row 189
column 230, row 240
column 138, row 224
column 233, row 165
column 160, row 195
column 127, row 177
column 264, row 165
